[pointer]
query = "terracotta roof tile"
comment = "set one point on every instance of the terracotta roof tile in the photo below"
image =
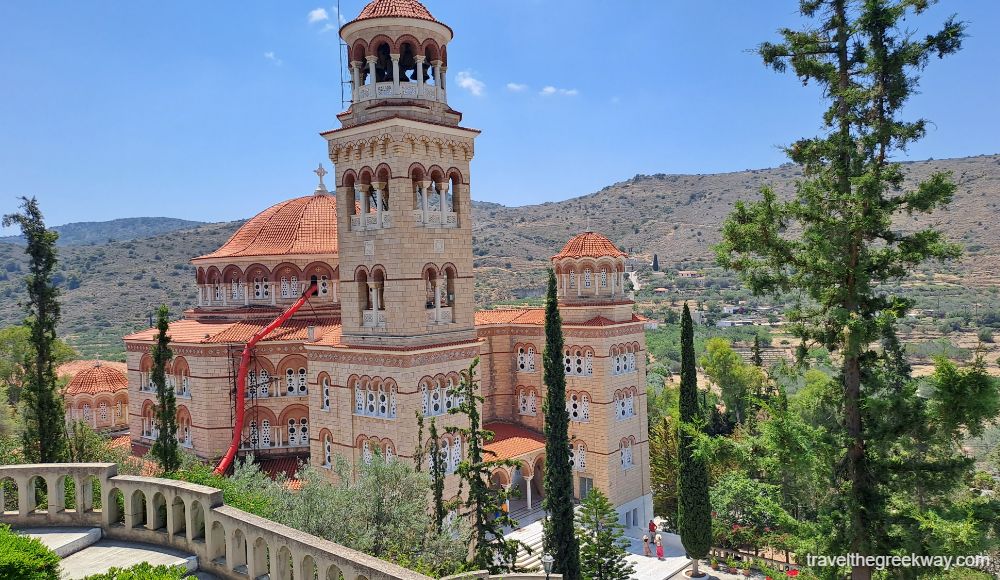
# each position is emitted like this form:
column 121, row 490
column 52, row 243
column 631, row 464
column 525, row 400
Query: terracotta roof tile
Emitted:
column 510, row 316
column 186, row 331
column 99, row 378
column 395, row 9
column 273, row 467
column 510, row 441
column 295, row 330
column 589, row 245
column 69, row 369
column 304, row 225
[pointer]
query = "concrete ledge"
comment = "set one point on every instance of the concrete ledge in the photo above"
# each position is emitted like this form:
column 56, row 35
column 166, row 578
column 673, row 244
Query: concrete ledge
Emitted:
column 64, row 541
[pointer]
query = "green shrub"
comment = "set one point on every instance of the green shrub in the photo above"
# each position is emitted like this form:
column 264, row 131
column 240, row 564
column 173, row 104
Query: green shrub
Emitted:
column 144, row 571
column 26, row 558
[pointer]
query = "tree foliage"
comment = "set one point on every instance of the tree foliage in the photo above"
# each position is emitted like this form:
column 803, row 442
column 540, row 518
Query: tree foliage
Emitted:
column 664, row 469
column 694, row 510
column 166, row 448
column 44, row 438
column 834, row 242
column 482, row 505
column 15, row 350
column 603, row 546
column 560, row 536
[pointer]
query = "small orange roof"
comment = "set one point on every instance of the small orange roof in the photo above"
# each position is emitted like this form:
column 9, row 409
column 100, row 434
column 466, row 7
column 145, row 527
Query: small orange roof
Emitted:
column 589, row 245
column 304, row 225
column 395, row 9
column 511, row 441
column 197, row 332
column 291, row 330
column 184, row 330
column 69, row 369
column 99, row 378
column 510, row 316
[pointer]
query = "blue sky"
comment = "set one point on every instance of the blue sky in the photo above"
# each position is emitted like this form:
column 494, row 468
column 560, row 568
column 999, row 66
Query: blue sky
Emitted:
column 211, row 110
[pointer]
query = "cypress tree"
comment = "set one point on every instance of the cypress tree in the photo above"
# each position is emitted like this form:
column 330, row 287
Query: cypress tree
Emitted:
column 44, row 439
column 694, row 512
column 656, row 263
column 755, row 357
column 166, row 448
column 560, row 539
column 418, row 451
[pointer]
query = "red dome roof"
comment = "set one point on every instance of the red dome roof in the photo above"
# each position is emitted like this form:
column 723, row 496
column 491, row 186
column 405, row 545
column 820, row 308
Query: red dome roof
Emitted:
column 99, row 378
column 395, row 9
column 589, row 245
column 304, row 225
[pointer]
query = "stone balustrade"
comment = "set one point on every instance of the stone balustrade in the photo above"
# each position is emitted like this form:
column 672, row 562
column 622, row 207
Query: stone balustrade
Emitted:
column 228, row 542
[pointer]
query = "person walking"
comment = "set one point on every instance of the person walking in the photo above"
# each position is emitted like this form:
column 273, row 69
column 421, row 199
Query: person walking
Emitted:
column 652, row 527
column 659, row 547
column 646, row 551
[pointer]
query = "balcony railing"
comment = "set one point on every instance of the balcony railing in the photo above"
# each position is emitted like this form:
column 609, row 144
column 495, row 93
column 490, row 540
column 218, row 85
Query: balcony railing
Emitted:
column 274, row 438
column 373, row 319
column 440, row 315
column 372, row 221
column 387, row 90
column 433, row 218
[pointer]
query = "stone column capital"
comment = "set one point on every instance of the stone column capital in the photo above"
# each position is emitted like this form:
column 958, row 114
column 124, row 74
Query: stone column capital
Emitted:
column 371, row 59
column 420, row 58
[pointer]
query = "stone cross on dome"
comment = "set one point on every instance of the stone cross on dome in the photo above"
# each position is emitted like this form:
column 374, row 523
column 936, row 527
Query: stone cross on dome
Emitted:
column 321, row 188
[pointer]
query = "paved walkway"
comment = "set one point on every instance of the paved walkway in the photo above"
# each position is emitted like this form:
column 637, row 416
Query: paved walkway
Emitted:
column 84, row 552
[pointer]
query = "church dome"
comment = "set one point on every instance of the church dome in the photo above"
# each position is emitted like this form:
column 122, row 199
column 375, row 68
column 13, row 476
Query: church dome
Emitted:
column 395, row 9
column 589, row 245
column 303, row 225
column 97, row 378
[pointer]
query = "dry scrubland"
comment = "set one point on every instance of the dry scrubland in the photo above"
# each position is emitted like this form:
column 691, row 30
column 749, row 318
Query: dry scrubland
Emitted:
column 110, row 288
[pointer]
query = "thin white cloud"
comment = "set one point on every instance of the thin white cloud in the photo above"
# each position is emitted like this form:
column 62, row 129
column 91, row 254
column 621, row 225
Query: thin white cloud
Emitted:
column 550, row 91
column 470, row 83
column 516, row 87
column 318, row 15
column 269, row 55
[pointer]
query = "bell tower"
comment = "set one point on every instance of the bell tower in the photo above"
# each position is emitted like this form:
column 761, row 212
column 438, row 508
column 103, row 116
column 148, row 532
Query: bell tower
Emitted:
column 402, row 176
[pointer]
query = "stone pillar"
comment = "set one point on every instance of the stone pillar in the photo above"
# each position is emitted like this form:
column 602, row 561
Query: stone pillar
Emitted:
column 612, row 276
column 437, row 299
column 420, row 74
column 527, row 484
column 443, row 197
column 371, row 70
column 379, row 192
column 437, row 79
column 442, row 75
column 356, row 79
column 395, row 74
column 201, row 294
column 426, row 185
column 246, row 293
column 364, row 189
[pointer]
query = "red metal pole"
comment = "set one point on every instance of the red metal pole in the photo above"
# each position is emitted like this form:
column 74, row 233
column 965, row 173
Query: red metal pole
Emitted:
column 241, row 378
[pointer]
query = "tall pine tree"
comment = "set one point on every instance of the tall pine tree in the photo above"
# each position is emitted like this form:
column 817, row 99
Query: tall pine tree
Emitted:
column 560, row 538
column 834, row 242
column 44, row 438
column 437, row 469
column 166, row 448
column 694, row 511
column 603, row 547
column 483, row 506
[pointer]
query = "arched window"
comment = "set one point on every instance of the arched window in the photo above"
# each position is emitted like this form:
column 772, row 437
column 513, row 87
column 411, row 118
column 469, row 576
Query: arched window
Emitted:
column 578, row 406
column 366, row 452
column 456, row 454
column 375, row 398
column 298, row 431
column 625, row 448
column 578, row 456
column 325, row 382
column 327, row 450
column 265, row 433
column 526, row 358
column 588, row 363
column 604, row 277
column 103, row 411
column 572, row 278
column 527, row 401
column 389, row 451
column 587, row 278
column 86, row 411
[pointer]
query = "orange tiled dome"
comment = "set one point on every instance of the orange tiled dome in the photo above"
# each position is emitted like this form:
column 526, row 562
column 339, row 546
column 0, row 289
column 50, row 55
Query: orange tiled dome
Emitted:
column 589, row 245
column 304, row 225
column 98, row 378
column 395, row 9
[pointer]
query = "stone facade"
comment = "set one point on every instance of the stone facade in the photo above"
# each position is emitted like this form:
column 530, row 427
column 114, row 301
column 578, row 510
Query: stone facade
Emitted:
column 396, row 323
